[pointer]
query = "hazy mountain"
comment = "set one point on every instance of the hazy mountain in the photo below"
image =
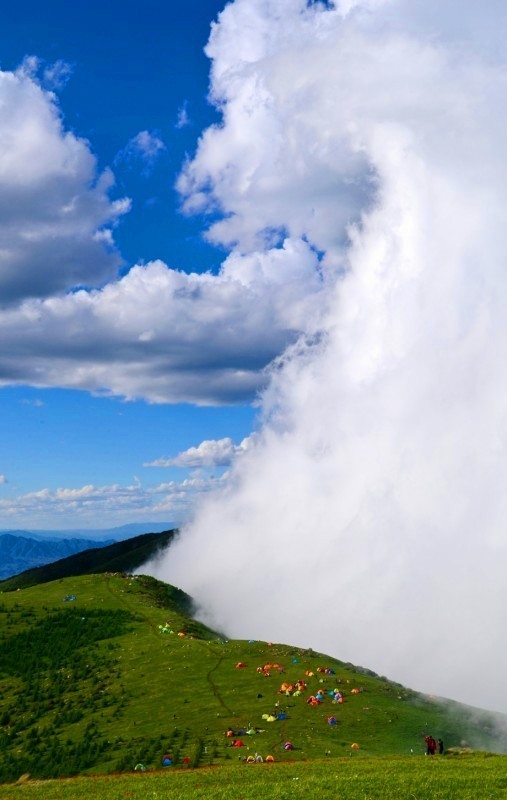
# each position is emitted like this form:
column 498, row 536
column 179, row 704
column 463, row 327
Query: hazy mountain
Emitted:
column 19, row 553
column 94, row 534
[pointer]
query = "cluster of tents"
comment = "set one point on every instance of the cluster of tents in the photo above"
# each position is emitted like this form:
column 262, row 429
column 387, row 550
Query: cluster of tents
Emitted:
column 249, row 731
column 293, row 689
column 69, row 598
column 266, row 669
column 258, row 759
column 166, row 629
column 275, row 717
column 168, row 761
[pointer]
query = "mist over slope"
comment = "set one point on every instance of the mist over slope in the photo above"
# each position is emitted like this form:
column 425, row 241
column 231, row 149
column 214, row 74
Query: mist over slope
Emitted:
column 369, row 519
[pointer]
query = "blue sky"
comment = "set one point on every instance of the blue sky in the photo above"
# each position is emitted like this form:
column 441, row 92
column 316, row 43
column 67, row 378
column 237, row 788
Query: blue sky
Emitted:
column 124, row 68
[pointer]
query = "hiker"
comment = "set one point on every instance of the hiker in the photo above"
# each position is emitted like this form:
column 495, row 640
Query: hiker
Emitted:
column 440, row 746
column 431, row 746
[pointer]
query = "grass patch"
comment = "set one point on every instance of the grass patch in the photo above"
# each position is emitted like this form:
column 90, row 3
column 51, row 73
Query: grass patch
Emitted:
column 415, row 778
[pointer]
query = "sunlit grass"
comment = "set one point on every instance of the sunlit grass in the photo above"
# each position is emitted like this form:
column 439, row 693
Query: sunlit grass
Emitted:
column 396, row 778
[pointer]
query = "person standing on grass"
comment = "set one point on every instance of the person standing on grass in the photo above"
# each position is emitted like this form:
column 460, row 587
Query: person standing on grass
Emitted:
column 440, row 746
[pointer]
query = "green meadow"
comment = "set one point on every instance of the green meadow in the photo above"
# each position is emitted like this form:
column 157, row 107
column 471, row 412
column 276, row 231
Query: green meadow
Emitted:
column 100, row 674
column 384, row 778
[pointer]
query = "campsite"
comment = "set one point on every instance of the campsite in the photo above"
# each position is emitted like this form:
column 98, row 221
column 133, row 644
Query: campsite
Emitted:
column 122, row 680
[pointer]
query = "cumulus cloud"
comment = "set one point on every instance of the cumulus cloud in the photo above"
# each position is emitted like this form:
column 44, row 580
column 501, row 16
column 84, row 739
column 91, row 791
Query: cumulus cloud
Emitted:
column 376, row 131
column 157, row 333
column 166, row 335
column 144, row 148
column 56, row 216
column 112, row 503
column 210, row 453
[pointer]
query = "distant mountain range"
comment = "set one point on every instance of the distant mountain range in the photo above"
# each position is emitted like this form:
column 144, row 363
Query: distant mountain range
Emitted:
column 125, row 556
column 93, row 534
column 18, row 553
column 23, row 550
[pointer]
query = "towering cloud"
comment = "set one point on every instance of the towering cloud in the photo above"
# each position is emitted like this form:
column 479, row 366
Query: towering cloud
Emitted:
column 368, row 518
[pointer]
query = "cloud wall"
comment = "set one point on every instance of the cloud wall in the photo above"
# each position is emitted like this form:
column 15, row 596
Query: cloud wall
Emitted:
column 368, row 519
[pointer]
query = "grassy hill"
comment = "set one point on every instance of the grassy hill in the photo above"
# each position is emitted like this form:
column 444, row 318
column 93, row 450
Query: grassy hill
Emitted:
column 124, row 556
column 94, row 685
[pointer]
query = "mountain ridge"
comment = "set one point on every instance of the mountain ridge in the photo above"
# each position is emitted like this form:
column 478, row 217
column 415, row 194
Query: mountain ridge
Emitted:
column 118, row 533
column 123, row 556
column 19, row 553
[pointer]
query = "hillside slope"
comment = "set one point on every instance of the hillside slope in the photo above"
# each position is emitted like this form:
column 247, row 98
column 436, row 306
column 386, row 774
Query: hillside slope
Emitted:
column 124, row 556
column 93, row 680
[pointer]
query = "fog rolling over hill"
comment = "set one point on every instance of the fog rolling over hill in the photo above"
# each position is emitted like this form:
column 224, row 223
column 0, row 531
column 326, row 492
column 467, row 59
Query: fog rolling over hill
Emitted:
column 369, row 519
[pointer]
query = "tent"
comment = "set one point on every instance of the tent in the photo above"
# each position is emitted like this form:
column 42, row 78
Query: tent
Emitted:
column 167, row 761
column 288, row 746
column 270, row 759
column 240, row 664
column 140, row 768
column 238, row 743
column 331, row 720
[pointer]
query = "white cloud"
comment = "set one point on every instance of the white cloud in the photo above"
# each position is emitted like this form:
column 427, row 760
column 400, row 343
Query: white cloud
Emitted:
column 166, row 335
column 210, row 453
column 183, row 119
column 55, row 212
column 56, row 76
column 156, row 333
column 377, row 482
column 3, row 479
column 112, row 504
column 145, row 148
